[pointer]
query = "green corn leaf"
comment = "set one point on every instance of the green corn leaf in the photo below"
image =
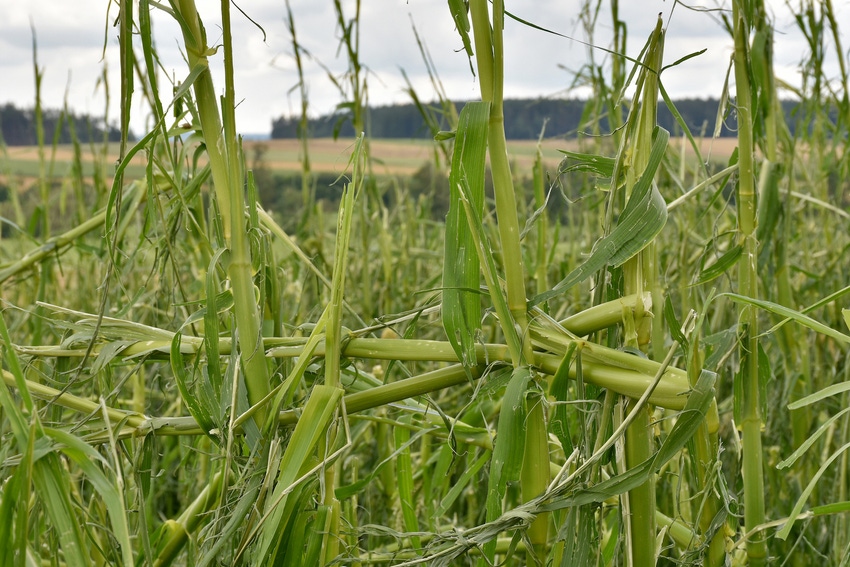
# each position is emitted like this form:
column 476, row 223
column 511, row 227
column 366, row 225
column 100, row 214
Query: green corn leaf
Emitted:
column 491, row 275
column 85, row 457
column 107, row 353
column 317, row 529
column 603, row 166
column 293, row 536
column 783, row 311
column 721, row 266
column 807, row 444
column 641, row 221
column 311, row 427
column 14, row 509
column 10, row 493
column 462, row 483
column 827, row 392
column 764, row 374
column 461, row 309
column 506, row 465
column 298, row 537
column 404, row 475
column 674, row 325
column 592, row 163
column 689, row 420
column 142, row 473
column 460, row 15
column 216, row 304
column 146, row 37
column 202, row 407
column 50, row 478
column 770, row 209
column 16, row 417
column 559, row 390
column 798, row 506
column 51, row 484
column 834, row 508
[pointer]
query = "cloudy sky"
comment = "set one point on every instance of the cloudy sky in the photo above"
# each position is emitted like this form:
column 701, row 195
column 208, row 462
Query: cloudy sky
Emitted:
column 77, row 44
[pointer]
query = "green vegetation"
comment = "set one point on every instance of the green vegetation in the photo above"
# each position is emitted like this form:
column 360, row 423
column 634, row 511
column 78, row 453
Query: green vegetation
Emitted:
column 635, row 357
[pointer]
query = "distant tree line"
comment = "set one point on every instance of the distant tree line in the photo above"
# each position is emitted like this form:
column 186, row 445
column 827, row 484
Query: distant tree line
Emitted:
column 18, row 127
column 524, row 119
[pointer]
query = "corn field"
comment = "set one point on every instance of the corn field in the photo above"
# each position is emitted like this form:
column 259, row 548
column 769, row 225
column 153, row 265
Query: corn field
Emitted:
column 653, row 374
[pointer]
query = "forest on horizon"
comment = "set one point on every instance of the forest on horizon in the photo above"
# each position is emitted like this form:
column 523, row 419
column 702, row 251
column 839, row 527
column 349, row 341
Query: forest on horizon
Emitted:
column 19, row 127
column 524, row 119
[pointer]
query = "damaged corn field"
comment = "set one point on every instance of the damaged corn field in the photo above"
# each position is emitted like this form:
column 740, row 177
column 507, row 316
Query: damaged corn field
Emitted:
column 632, row 356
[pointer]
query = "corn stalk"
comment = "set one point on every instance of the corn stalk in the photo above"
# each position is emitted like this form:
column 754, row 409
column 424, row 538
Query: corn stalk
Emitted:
column 752, row 419
column 219, row 133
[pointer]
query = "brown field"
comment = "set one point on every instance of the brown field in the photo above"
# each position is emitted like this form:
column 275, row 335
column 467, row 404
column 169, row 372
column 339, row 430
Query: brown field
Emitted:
column 404, row 157
column 392, row 157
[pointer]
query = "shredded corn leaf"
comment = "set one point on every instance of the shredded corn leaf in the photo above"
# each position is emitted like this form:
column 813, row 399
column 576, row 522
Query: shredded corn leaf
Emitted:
column 461, row 309
column 641, row 221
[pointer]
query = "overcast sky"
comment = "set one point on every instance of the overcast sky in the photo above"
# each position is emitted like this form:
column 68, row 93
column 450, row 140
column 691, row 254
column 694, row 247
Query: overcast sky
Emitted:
column 71, row 38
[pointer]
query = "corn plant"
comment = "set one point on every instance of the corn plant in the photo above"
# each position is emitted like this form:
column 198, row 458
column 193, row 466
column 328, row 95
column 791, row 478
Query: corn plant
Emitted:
column 634, row 381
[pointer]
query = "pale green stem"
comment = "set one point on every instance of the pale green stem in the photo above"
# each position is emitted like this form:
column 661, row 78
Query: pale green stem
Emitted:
column 752, row 467
column 43, row 182
column 489, row 50
column 636, row 279
column 489, row 56
column 533, row 481
column 542, row 268
column 669, row 393
column 226, row 169
column 333, row 342
column 678, row 531
column 176, row 532
column 706, row 447
column 197, row 50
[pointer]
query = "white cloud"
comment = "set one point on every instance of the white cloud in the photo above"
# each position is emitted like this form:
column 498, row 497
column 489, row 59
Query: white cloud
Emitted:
column 71, row 36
